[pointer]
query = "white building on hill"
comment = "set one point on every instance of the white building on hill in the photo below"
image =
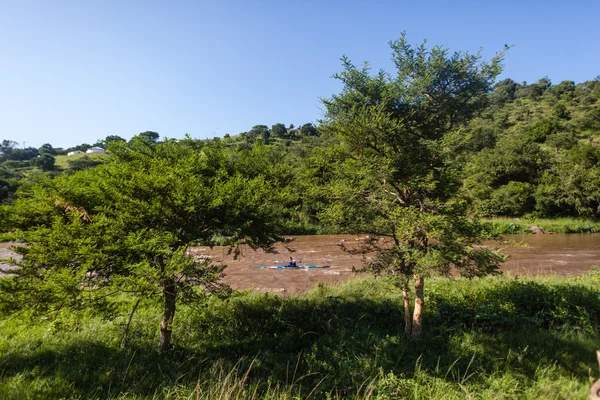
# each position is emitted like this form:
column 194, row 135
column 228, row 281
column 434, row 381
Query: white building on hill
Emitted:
column 96, row 149
column 72, row 153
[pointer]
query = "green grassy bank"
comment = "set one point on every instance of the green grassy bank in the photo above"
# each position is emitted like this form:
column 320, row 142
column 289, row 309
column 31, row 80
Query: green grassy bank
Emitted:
column 494, row 338
column 502, row 226
column 557, row 225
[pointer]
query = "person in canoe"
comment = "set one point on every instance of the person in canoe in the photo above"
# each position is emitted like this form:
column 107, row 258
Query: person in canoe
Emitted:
column 292, row 263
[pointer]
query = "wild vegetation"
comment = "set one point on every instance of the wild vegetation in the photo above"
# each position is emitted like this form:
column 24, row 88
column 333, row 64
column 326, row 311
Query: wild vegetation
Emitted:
column 395, row 169
column 536, row 151
column 413, row 158
column 507, row 226
column 491, row 338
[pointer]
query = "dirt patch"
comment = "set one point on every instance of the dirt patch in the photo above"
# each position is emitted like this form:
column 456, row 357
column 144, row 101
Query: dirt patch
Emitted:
column 6, row 252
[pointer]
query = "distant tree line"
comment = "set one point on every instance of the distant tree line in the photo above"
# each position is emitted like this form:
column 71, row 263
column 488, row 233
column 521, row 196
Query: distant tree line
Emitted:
column 532, row 150
column 17, row 164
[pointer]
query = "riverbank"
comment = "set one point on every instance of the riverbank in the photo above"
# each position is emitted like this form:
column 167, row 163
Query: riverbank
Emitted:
column 501, row 226
column 506, row 226
column 495, row 337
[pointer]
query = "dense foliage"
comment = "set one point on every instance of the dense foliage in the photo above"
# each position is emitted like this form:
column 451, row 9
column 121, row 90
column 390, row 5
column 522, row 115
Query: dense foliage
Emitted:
column 535, row 151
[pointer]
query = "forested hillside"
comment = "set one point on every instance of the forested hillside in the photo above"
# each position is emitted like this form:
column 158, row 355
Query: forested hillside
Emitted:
column 535, row 150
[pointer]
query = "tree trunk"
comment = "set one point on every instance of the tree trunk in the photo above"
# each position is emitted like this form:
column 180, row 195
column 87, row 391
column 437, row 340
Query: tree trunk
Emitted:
column 417, row 322
column 407, row 310
column 126, row 333
column 170, row 293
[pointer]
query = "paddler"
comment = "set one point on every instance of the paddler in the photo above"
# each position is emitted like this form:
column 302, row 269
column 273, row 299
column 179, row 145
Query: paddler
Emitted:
column 292, row 263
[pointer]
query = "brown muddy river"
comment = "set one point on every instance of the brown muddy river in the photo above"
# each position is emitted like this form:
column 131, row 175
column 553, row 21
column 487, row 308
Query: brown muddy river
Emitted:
column 569, row 254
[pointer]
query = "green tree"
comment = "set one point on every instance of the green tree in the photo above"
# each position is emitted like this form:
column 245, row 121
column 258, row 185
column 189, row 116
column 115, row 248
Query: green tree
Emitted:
column 571, row 187
column 396, row 178
column 260, row 131
column 591, row 119
column 493, row 173
column 279, row 131
column 7, row 147
column 150, row 135
column 80, row 147
column 265, row 136
column 23, row 154
column 309, row 130
column 8, row 183
column 115, row 138
column 513, row 199
column 520, row 152
column 47, row 149
column 504, row 92
column 44, row 162
column 126, row 226
column 563, row 90
column 541, row 129
column 560, row 110
column 533, row 91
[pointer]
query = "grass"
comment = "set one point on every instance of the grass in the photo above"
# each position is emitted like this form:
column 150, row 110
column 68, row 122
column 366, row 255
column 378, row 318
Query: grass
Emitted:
column 62, row 161
column 558, row 225
column 502, row 226
column 492, row 338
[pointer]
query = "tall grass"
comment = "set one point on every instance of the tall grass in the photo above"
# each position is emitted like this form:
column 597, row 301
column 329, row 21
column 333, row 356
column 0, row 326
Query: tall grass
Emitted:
column 502, row 226
column 493, row 338
column 557, row 225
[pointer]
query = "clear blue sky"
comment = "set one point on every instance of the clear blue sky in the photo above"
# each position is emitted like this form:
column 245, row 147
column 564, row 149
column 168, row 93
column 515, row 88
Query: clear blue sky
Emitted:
column 76, row 71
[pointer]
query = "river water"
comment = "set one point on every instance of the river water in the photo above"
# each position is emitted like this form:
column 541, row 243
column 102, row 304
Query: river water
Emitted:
column 567, row 254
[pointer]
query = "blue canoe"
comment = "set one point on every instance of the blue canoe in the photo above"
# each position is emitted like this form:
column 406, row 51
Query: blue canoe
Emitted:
column 286, row 267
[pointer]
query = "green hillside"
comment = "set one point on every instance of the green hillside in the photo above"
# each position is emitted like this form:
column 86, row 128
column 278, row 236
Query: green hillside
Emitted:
column 62, row 161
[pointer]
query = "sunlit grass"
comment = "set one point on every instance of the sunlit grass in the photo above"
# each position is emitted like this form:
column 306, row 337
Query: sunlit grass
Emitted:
column 497, row 337
column 62, row 162
column 556, row 225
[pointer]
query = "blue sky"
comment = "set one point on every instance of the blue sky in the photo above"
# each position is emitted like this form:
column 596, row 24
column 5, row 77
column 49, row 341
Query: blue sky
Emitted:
column 76, row 71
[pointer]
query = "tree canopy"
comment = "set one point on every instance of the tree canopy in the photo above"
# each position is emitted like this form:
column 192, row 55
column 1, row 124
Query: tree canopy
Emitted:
column 126, row 225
